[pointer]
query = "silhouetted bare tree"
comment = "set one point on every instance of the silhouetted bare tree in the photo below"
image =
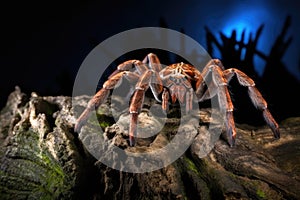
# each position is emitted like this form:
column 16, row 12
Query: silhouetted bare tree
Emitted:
column 276, row 76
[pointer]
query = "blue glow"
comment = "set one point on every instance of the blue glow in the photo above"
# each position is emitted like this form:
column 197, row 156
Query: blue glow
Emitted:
column 239, row 26
column 248, row 20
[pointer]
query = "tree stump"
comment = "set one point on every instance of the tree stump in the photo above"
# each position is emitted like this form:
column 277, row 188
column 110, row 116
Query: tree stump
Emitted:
column 43, row 158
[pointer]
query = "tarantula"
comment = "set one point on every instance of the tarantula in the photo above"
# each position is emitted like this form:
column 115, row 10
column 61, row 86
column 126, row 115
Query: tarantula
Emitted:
column 178, row 82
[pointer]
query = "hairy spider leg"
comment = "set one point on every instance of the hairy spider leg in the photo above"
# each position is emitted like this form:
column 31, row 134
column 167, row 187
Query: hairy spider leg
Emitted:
column 137, row 103
column 218, row 87
column 156, row 84
column 149, row 78
column 256, row 98
column 114, row 80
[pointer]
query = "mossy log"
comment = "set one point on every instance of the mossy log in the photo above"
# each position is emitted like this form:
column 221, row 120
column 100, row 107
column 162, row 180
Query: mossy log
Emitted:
column 42, row 157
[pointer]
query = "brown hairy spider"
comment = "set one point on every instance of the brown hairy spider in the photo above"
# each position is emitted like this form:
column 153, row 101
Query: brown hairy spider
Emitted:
column 178, row 82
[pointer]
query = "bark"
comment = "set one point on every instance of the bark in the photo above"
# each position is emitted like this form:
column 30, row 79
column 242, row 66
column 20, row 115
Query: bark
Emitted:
column 42, row 157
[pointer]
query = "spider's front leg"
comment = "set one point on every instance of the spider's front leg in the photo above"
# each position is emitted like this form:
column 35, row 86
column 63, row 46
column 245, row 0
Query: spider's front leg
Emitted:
column 151, row 79
column 137, row 103
column 102, row 94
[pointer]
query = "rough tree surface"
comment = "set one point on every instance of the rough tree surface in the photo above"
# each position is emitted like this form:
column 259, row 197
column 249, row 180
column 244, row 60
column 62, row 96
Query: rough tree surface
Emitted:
column 42, row 158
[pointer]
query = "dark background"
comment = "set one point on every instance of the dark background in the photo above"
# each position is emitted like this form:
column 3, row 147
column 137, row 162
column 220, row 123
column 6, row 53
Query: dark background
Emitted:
column 44, row 43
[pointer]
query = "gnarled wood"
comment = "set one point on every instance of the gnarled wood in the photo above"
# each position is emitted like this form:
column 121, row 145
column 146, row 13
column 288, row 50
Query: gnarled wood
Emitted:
column 42, row 157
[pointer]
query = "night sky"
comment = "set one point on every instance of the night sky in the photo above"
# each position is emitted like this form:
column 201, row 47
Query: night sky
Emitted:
column 44, row 43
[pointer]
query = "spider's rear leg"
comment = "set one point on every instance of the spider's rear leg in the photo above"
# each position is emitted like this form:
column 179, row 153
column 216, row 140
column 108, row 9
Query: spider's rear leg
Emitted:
column 255, row 96
column 102, row 94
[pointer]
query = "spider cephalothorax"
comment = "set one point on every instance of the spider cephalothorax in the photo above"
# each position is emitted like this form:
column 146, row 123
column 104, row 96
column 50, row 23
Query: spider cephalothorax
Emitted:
column 178, row 82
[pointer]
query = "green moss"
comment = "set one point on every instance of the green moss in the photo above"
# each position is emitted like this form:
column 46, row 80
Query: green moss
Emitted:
column 52, row 164
column 102, row 120
column 261, row 194
column 104, row 124
column 56, row 181
column 191, row 166
column 36, row 174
